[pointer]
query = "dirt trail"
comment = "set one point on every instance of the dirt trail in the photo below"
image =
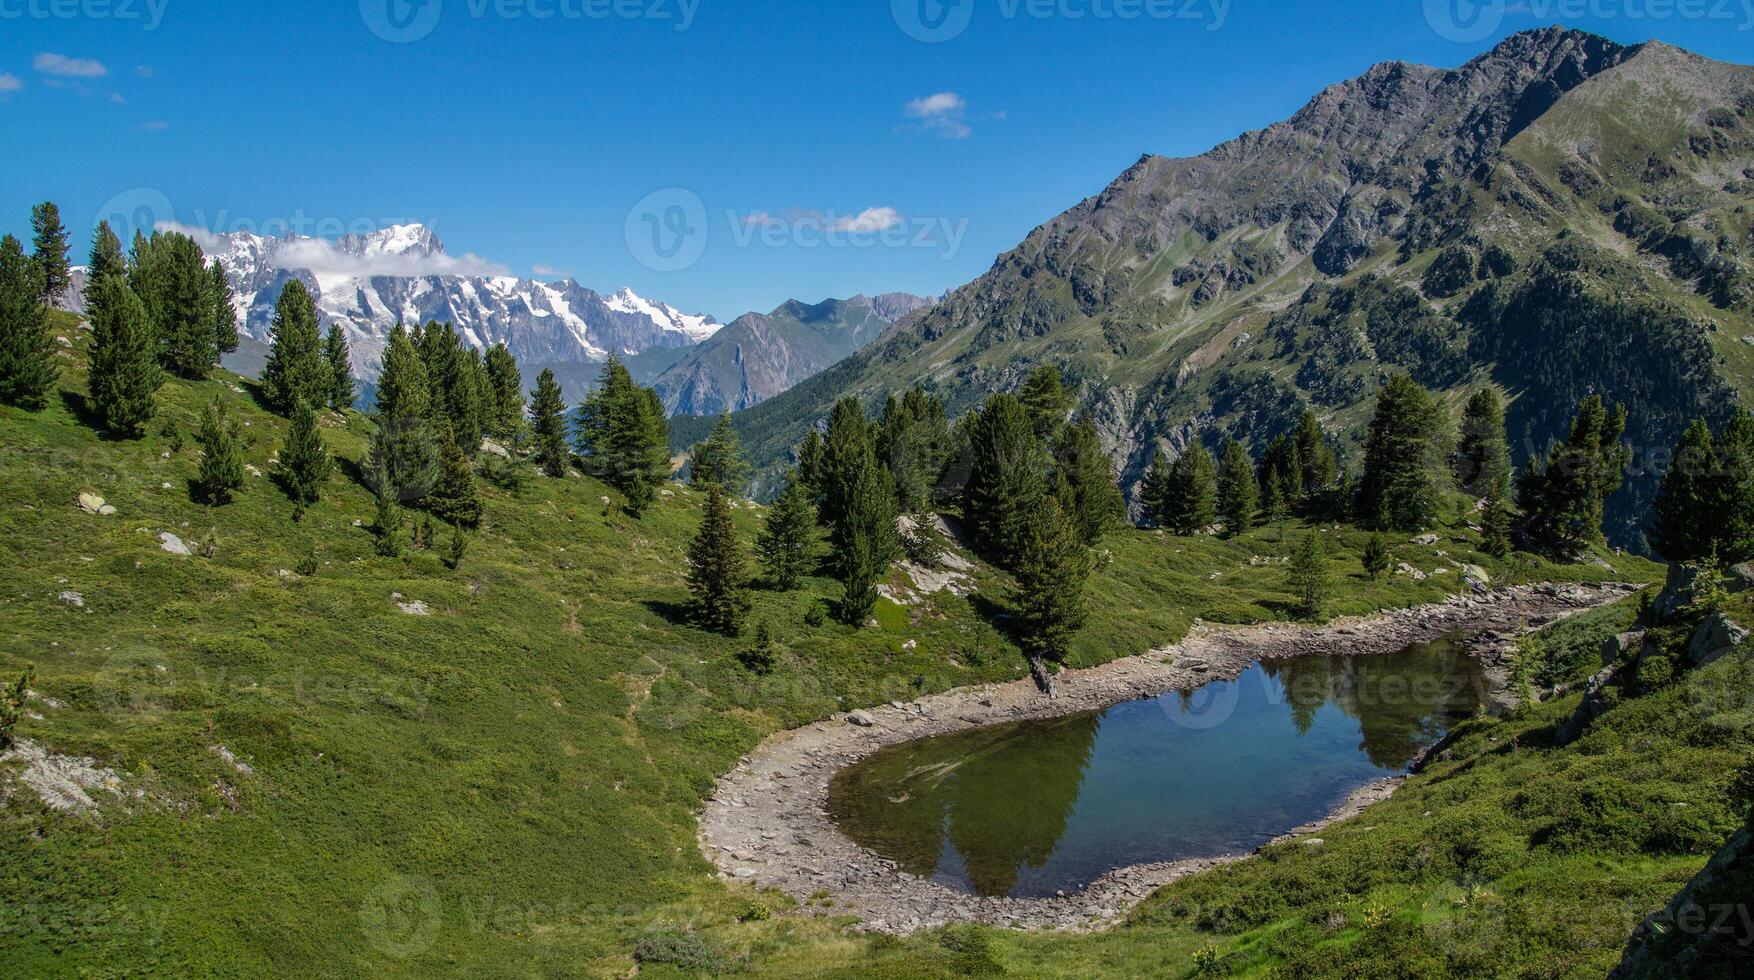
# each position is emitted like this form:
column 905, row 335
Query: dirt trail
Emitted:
column 766, row 823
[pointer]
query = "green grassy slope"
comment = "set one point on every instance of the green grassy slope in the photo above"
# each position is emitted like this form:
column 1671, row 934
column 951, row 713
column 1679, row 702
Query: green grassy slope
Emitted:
column 506, row 786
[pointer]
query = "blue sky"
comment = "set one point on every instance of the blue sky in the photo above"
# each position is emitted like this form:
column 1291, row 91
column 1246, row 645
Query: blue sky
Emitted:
column 721, row 155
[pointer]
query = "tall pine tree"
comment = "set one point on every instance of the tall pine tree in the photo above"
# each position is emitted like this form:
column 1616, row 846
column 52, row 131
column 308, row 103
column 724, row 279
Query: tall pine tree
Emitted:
column 106, row 254
column 27, row 352
column 1564, row 499
column 225, row 315
column 810, row 465
column 221, row 471
column 1046, row 400
column 784, row 543
column 1007, row 478
column 1684, row 527
column 869, row 540
column 1318, row 467
column 505, row 393
column 1053, row 569
column 454, row 498
column 49, row 252
column 1482, row 451
column 404, row 448
column 1238, row 493
column 296, row 371
column 624, row 437
column 715, row 568
column 548, row 424
column 1403, row 476
column 340, row 362
column 125, row 375
column 305, row 463
column 719, row 459
column 1091, row 497
column 1190, row 493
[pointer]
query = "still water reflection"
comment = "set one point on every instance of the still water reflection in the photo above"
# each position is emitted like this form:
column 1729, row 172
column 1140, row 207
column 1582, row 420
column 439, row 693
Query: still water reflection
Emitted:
column 1031, row 808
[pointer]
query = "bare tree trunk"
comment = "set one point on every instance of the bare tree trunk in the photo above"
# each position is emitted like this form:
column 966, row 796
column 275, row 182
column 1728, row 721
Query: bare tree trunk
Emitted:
column 1044, row 680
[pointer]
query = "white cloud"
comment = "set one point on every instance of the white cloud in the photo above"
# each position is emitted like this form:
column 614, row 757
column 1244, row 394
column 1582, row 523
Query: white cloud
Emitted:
column 9, row 83
column 868, row 220
column 544, row 269
column 145, row 71
column 320, row 257
column 942, row 114
column 50, row 63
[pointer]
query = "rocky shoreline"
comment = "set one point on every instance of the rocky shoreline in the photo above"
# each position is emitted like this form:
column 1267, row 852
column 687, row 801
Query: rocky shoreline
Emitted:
column 767, row 824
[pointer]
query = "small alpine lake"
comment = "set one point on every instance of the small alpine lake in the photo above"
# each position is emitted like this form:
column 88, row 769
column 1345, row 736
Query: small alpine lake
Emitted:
column 1037, row 807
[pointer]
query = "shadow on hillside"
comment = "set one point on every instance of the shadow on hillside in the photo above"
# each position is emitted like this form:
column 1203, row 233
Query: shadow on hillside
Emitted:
column 674, row 613
column 999, row 616
column 86, row 414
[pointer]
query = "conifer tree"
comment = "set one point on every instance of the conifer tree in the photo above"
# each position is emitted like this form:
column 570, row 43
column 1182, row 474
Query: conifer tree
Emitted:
column 1238, row 493
column 1092, row 498
column 1376, row 556
column 1309, row 576
column 27, row 359
column 1402, row 481
column 869, row 540
column 404, row 447
column 1497, row 521
column 1047, row 402
column 506, row 393
column 454, row 499
column 844, row 452
column 225, row 315
column 1564, row 499
column 624, row 437
column 548, row 423
column 340, row 362
column 305, row 463
column 1280, row 474
column 1007, row 478
column 719, row 459
column 49, row 252
column 458, row 547
column 913, row 441
column 125, row 375
column 1731, row 506
column 784, row 543
column 1190, row 501
column 1683, row 524
column 810, row 467
column 388, row 524
column 171, row 278
column 106, row 254
column 221, row 471
column 296, row 371
column 715, row 568
column 1154, row 490
column 1053, row 569
column 1482, row 451
column 1318, row 468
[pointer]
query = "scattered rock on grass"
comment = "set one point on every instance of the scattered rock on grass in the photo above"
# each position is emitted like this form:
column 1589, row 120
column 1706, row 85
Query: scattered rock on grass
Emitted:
column 72, row 598
column 173, row 544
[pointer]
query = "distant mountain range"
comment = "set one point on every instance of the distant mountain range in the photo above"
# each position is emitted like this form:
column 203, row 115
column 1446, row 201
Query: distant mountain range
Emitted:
column 1563, row 215
column 369, row 283
column 759, row 356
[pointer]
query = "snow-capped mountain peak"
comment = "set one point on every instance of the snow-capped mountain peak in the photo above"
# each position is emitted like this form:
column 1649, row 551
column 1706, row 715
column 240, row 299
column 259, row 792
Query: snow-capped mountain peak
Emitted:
column 665, row 316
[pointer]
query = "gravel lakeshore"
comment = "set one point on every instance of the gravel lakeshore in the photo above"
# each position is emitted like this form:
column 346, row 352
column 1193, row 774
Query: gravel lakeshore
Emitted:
column 766, row 823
